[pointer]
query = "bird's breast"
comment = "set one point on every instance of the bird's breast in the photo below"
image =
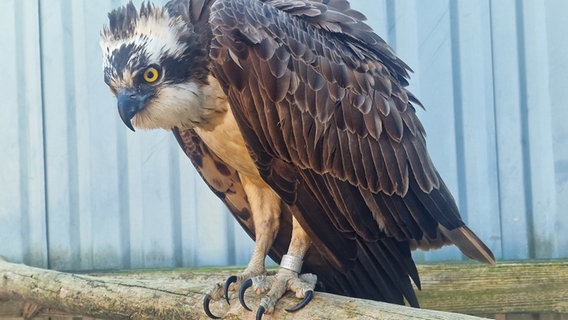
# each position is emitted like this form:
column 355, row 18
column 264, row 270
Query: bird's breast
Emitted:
column 227, row 142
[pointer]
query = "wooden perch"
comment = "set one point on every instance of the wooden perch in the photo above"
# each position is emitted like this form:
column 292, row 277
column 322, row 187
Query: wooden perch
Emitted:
column 175, row 296
column 528, row 287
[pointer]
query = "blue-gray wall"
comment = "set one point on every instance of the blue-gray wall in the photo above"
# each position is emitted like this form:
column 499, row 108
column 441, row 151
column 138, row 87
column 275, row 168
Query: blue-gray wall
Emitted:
column 79, row 191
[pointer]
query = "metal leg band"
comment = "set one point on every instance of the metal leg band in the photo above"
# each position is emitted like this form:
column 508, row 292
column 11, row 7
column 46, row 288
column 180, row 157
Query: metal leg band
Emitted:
column 291, row 263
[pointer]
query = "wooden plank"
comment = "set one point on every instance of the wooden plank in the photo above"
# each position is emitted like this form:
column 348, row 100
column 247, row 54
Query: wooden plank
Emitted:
column 505, row 288
column 508, row 288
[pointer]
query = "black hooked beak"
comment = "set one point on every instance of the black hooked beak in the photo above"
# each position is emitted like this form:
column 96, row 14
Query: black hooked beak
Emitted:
column 130, row 102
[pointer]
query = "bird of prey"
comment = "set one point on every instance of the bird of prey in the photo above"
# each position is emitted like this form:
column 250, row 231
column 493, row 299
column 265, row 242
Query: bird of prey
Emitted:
column 297, row 116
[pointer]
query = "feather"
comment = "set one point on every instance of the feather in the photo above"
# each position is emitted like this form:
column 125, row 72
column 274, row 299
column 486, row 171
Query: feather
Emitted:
column 278, row 62
column 373, row 123
column 324, row 107
column 393, row 123
column 356, row 157
column 381, row 102
column 469, row 244
column 266, row 48
column 315, row 81
column 336, row 92
column 368, row 165
column 393, row 174
column 417, row 167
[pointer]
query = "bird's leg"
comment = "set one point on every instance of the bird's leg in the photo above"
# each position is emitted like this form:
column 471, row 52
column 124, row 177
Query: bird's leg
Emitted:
column 288, row 277
column 265, row 211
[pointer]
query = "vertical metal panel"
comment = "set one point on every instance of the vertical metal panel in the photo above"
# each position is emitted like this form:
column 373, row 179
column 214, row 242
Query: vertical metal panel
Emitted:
column 538, row 127
column 79, row 191
column 475, row 122
column 557, row 38
column 506, row 81
column 22, row 204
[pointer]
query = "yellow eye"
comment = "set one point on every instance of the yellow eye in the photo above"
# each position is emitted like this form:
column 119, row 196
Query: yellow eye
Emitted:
column 151, row 75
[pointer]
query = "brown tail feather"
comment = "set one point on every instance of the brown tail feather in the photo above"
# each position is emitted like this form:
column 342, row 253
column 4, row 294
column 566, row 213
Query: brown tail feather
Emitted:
column 469, row 244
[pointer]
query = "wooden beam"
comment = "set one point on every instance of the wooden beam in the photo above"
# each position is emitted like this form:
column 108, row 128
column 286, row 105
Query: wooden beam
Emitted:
column 538, row 287
column 174, row 295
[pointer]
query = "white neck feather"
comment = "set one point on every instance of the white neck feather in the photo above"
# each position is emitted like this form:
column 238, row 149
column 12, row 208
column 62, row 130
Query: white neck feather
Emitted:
column 184, row 105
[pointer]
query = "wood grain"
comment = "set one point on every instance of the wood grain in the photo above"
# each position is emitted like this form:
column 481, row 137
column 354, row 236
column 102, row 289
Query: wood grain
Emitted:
column 507, row 287
column 174, row 295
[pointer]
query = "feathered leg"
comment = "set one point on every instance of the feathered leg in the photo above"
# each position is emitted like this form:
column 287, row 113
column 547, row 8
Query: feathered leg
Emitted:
column 265, row 207
column 288, row 277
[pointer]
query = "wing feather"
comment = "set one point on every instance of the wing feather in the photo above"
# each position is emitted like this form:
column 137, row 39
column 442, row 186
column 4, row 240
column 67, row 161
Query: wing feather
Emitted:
column 321, row 102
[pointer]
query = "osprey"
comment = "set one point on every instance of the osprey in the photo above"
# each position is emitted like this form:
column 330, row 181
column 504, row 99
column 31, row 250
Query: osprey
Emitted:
column 296, row 115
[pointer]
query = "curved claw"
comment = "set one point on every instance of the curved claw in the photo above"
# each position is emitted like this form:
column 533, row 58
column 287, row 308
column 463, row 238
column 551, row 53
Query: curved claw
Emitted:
column 303, row 303
column 231, row 279
column 260, row 312
column 247, row 284
column 206, row 301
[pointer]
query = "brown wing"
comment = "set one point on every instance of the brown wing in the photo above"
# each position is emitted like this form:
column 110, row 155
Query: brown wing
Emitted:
column 321, row 102
column 225, row 183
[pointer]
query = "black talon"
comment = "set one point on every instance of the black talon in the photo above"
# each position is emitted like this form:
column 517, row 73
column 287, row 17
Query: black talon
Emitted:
column 231, row 279
column 260, row 312
column 247, row 284
column 303, row 303
column 206, row 301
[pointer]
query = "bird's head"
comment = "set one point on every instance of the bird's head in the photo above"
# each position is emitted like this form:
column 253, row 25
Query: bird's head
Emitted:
column 156, row 64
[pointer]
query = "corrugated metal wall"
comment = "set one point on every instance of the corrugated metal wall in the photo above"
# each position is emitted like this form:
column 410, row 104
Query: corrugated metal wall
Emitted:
column 79, row 191
column 493, row 77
